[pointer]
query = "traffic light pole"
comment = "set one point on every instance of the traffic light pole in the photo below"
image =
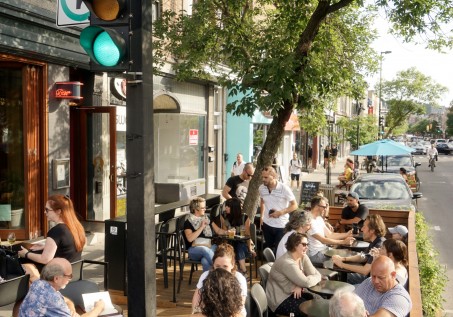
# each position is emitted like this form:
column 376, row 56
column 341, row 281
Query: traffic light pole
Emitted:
column 141, row 279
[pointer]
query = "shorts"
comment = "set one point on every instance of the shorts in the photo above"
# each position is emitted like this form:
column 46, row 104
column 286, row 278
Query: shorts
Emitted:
column 295, row 177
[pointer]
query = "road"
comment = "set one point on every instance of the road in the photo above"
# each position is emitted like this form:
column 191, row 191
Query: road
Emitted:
column 436, row 205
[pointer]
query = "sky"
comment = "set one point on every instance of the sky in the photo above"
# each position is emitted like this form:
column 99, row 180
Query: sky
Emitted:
column 405, row 55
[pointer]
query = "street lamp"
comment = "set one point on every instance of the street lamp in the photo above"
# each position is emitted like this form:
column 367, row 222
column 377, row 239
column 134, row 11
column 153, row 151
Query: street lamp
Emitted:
column 380, row 132
column 330, row 122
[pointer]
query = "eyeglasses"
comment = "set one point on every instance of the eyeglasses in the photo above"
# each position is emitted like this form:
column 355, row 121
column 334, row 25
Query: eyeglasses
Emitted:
column 46, row 210
column 250, row 175
column 69, row 276
column 304, row 244
column 323, row 207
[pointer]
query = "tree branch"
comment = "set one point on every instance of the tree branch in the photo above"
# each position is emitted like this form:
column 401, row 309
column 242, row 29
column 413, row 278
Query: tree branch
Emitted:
column 339, row 5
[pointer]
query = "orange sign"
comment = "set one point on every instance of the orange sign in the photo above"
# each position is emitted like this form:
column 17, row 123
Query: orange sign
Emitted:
column 68, row 90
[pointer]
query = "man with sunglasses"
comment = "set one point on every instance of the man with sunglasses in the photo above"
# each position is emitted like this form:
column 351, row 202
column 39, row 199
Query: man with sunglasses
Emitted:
column 45, row 300
column 234, row 182
column 319, row 235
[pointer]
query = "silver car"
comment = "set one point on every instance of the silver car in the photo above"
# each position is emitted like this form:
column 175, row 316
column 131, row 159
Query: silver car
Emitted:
column 380, row 190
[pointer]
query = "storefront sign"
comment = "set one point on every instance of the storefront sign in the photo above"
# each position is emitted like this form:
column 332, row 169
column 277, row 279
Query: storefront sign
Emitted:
column 118, row 87
column 193, row 137
column 68, row 90
column 120, row 118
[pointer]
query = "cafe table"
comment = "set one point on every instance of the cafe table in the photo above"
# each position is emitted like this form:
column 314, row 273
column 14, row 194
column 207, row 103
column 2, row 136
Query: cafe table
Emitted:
column 342, row 272
column 326, row 288
column 340, row 252
column 315, row 307
column 357, row 245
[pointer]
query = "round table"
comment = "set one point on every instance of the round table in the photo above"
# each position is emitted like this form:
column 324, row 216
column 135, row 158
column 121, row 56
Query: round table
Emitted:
column 341, row 252
column 357, row 245
column 326, row 288
column 315, row 308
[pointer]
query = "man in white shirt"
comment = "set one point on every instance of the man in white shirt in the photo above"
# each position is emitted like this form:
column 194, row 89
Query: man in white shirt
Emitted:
column 277, row 202
column 432, row 153
column 238, row 165
column 319, row 235
column 295, row 168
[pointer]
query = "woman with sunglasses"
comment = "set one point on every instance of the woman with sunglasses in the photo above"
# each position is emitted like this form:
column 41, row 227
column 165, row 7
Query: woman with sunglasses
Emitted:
column 65, row 239
column 290, row 274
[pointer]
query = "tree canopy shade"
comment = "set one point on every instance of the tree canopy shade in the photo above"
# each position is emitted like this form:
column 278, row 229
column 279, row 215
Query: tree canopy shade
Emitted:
column 285, row 54
column 408, row 94
column 366, row 127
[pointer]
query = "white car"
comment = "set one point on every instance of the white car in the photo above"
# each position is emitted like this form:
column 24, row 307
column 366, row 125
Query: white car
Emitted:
column 450, row 144
column 420, row 148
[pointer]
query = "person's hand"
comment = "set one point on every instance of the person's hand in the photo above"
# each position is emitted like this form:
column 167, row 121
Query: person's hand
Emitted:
column 329, row 226
column 375, row 252
column 297, row 291
column 99, row 304
column 22, row 252
column 276, row 214
column 348, row 241
column 37, row 247
column 350, row 233
column 337, row 260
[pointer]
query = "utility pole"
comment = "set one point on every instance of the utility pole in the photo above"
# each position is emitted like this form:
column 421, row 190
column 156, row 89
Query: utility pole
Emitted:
column 381, row 128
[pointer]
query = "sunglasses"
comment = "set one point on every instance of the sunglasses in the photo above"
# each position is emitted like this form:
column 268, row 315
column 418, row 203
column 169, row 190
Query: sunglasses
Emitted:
column 304, row 244
column 250, row 175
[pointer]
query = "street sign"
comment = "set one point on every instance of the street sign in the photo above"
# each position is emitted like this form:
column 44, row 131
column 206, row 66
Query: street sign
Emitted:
column 72, row 12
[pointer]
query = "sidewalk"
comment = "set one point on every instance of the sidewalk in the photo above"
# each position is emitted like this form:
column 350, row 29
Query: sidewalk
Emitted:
column 95, row 240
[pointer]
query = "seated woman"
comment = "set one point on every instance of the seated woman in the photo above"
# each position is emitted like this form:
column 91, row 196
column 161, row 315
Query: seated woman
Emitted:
column 396, row 250
column 346, row 176
column 198, row 233
column 224, row 259
column 299, row 221
column 289, row 275
column 64, row 240
column 220, row 295
column 234, row 218
column 403, row 173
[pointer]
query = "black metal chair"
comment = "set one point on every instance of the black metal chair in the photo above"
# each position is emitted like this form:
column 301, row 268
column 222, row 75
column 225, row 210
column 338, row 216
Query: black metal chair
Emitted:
column 14, row 289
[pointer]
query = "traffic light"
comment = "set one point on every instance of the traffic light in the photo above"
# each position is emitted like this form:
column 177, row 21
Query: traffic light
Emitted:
column 381, row 121
column 106, row 40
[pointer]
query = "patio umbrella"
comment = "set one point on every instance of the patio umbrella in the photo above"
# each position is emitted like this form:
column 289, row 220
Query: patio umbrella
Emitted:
column 382, row 147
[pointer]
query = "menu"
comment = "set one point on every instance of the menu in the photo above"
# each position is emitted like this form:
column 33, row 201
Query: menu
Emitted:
column 308, row 190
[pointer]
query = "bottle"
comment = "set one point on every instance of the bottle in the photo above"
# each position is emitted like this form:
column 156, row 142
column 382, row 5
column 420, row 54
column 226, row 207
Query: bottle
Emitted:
column 291, row 314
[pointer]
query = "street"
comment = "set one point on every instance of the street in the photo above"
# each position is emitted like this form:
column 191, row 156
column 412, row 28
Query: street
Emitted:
column 437, row 188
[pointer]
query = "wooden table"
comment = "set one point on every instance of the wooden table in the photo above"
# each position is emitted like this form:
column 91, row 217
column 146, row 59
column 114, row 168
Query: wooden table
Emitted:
column 315, row 308
column 326, row 288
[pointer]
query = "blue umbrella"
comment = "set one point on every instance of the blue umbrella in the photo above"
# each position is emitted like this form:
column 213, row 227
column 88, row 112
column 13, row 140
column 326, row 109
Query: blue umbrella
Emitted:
column 383, row 147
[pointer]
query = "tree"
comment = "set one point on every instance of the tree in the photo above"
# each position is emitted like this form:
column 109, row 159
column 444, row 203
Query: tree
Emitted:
column 285, row 54
column 408, row 94
column 419, row 127
column 367, row 129
column 449, row 129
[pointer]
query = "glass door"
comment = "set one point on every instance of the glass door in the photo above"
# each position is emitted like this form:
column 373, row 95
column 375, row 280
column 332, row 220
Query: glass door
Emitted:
column 93, row 162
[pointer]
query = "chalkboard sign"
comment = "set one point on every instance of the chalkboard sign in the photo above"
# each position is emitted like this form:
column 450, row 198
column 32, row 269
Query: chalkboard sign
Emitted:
column 308, row 190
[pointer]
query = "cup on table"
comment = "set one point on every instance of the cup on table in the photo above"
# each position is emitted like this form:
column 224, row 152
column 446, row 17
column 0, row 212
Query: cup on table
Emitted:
column 242, row 231
column 231, row 233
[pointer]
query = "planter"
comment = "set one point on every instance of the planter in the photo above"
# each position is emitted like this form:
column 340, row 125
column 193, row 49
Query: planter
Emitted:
column 16, row 217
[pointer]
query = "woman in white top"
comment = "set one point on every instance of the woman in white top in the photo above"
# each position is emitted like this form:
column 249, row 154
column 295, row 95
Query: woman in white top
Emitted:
column 224, row 258
column 396, row 250
column 299, row 221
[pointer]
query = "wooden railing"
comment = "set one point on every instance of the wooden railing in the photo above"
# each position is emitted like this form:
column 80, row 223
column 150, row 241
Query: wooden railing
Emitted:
column 393, row 218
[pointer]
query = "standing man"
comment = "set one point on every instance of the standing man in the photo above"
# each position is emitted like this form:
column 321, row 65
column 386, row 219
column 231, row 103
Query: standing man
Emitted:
column 295, row 168
column 44, row 299
column 381, row 293
column 374, row 231
column 334, row 153
column 277, row 201
column 233, row 183
column 238, row 165
column 353, row 213
column 319, row 235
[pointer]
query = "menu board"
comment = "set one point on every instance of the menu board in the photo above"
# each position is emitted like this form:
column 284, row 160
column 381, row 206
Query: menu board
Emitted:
column 308, row 190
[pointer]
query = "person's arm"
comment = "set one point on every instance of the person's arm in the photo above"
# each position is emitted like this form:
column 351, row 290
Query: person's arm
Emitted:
column 192, row 235
column 226, row 191
column 261, row 212
column 382, row 312
column 97, row 309
column 48, row 253
column 361, row 269
column 333, row 240
column 219, row 231
column 293, row 273
column 292, row 206
column 349, row 221
column 196, row 301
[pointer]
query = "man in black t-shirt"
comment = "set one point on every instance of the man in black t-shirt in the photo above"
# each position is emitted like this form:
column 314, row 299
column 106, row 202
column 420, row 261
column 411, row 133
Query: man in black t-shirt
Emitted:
column 232, row 184
column 353, row 213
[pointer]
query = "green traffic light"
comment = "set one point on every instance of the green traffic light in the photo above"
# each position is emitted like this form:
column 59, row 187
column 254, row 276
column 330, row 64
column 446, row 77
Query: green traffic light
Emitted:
column 105, row 50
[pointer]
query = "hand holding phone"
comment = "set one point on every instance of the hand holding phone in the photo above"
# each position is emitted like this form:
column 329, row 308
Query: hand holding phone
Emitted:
column 271, row 211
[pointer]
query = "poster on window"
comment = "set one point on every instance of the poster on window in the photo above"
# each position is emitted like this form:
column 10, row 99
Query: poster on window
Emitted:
column 193, row 137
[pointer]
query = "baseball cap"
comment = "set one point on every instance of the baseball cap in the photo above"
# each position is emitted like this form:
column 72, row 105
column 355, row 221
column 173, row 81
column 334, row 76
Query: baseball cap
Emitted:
column 353, row 195
column 402, row 230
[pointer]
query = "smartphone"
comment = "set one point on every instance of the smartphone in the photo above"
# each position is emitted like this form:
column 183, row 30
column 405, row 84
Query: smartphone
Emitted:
column 271, row 211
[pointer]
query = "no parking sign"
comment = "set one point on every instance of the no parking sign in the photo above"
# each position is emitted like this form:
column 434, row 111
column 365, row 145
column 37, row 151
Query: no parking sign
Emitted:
column 193, row 137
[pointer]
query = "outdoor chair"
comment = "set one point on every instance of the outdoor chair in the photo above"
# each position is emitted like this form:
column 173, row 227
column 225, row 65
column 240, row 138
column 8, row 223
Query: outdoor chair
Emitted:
column 260, row 299
column 269, row 255
column 13, row 290
column 264, row 271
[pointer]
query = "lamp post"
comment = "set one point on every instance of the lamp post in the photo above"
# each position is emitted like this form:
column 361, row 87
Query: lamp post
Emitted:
column 330, row 122
column 380, row 121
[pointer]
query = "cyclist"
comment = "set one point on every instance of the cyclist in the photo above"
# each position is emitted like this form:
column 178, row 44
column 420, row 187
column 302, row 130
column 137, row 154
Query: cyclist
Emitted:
column 432, row 154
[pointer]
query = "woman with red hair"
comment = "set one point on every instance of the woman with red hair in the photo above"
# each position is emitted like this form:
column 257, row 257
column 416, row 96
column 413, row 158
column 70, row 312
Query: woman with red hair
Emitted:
column 65, row 239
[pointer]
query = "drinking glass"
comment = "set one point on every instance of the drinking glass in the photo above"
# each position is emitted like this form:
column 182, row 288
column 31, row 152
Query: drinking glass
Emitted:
column 11, row 238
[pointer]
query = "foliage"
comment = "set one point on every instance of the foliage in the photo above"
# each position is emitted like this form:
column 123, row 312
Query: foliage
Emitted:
column 419, row 127
column 433, row 278
column 449, row 129
column 247, row 46
column 407, row 94
column 368, row 130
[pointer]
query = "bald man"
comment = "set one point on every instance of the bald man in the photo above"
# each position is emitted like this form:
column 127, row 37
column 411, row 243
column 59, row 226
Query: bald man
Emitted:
column 382, row 294
column 45, row 300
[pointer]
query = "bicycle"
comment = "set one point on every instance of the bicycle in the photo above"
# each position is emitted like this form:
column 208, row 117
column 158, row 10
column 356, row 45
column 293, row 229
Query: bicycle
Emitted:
column 432, row 162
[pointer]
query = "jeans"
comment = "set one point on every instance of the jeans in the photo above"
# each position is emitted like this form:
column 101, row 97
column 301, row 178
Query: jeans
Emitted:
column 272, row 236
column 241, row 249
column 318, row 258
column 203, row 254
column 356, row 278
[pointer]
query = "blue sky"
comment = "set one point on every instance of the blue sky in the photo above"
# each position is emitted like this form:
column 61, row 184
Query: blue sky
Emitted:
column 405, row 55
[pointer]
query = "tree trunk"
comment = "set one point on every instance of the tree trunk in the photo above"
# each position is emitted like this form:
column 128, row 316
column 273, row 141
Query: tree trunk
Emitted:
column 270, row 147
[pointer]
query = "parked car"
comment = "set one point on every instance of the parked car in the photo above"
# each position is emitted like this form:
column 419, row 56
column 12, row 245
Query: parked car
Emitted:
column 419, row 148
column 443, row 148
column 393, row 163
column 376, row 190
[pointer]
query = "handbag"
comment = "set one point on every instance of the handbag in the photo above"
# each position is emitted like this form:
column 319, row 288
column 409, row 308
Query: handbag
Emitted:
column 10, row 266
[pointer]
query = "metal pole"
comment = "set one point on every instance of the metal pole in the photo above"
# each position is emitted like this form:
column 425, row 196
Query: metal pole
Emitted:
column 380, row 95
column 328, row 156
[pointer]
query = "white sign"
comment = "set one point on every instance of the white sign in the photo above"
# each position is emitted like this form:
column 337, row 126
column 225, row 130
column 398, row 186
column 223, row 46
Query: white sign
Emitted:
column 72, row 12
column 120, row 118
column 193, row 137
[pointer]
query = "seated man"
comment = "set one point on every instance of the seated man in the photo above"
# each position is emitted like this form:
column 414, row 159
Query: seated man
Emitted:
column 381, row 293
column 353, row 213
column 44, row 299
column 374, row 231
column 319, row 235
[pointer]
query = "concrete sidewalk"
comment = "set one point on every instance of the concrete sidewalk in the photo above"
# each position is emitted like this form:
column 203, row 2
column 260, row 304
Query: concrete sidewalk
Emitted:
column 94, row 250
